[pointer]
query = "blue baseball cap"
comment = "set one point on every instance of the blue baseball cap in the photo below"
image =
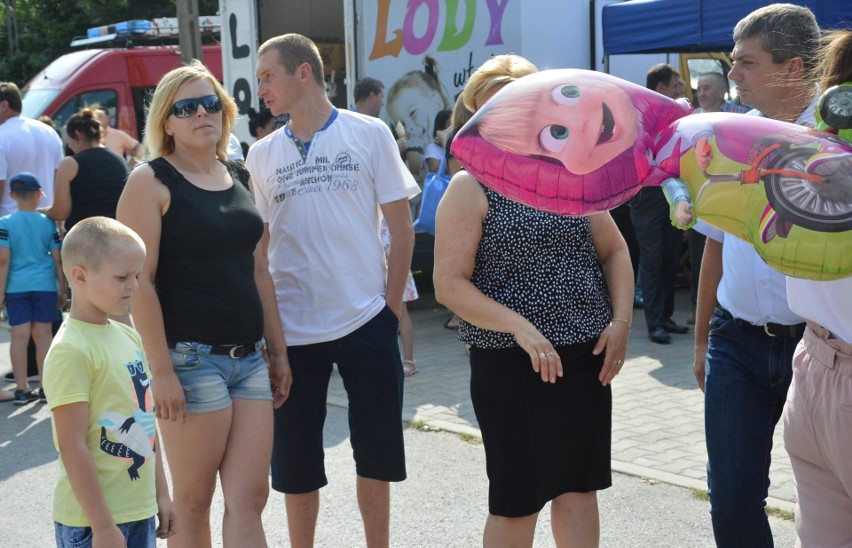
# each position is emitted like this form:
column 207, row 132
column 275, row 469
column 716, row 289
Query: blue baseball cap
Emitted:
column 24, row 181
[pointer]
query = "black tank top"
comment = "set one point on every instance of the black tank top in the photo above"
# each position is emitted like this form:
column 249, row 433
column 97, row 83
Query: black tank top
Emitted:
column 205, row 274
column 101, row 174
column 545, row 268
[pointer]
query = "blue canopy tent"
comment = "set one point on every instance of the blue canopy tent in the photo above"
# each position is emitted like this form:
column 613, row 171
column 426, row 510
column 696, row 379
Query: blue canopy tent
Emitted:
column 661, row 26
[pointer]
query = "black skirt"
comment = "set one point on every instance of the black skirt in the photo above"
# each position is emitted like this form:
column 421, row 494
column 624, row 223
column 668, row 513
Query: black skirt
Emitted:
column 541, row 440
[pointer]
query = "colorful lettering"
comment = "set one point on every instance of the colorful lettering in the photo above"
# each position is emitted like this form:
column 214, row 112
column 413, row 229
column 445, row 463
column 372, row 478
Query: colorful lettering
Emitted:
column 454, row 39
column 496, row 9
column 413, row 44
column 382, row 47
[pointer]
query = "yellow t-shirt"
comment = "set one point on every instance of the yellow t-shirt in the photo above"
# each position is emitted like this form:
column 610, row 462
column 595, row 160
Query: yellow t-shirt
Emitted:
column 104, row 366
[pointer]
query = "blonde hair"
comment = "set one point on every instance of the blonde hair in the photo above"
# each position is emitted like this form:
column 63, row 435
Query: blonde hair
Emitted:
column 92, row 241
column 157, row 142
column 497, row 71
column 460, row 114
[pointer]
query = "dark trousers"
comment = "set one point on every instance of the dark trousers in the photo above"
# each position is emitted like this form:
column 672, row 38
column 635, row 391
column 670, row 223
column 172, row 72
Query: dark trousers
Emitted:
column 621, row 216
column 747, row 377
column 32, row 364
column 696, row 252
column 659, row 245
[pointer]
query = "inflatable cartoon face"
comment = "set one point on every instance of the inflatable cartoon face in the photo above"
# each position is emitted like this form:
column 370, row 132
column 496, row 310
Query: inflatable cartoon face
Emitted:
column 582, row 124
column 567, row 141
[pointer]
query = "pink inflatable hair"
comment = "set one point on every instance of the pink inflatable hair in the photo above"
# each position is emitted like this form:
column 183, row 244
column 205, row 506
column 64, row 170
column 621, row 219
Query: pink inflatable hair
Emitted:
column 567, row 141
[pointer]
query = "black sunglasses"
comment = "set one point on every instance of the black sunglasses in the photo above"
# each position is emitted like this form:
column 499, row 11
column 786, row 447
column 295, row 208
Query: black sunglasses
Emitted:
column 188, row 107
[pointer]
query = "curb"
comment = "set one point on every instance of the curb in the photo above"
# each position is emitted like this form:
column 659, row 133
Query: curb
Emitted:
column 616, row 465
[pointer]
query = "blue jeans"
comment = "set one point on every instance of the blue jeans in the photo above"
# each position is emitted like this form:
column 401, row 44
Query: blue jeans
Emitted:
column 747, row 376
column 139, row 534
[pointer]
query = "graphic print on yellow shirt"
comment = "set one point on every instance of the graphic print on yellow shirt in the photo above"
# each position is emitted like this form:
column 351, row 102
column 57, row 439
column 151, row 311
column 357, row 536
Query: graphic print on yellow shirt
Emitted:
column 131, row 437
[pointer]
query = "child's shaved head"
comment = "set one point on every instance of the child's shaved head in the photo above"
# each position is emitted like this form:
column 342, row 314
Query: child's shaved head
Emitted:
column 91, row 242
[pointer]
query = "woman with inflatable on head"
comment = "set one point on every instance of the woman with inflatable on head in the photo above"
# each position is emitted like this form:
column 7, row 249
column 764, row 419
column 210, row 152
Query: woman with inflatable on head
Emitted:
column 545, row 302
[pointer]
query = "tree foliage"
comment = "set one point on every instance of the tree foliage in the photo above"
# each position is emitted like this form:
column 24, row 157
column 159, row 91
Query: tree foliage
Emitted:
column 46, row 27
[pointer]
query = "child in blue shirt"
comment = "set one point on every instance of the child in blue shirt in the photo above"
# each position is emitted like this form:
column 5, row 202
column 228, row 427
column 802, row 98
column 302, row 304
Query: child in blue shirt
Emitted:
column 31, row 280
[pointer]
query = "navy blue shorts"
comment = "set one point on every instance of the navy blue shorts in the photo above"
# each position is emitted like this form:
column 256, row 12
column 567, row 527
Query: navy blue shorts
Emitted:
column 369, row 363
column 31, row 306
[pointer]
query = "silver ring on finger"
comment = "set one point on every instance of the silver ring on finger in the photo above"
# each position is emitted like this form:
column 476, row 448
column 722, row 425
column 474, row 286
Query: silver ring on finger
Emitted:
column 551, row 354
column 619, row 363
column 541, row 355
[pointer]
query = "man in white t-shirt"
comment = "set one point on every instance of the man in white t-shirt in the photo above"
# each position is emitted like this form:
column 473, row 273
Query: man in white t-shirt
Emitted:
column 748, row 343
column 25, row 145
column 320, row 183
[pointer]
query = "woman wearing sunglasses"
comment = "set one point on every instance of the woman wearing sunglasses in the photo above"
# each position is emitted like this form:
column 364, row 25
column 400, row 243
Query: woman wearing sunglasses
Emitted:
column 199, row 309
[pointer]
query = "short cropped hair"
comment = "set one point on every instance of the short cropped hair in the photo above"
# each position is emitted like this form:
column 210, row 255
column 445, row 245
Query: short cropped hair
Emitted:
column 496, row 71
column 720, row 79
column 92, row 241
column 10, row 92
column 293, row 50
column 25, row 194
column 660, row 74
column 786, row 31
column 157, row 142
column 365, row 86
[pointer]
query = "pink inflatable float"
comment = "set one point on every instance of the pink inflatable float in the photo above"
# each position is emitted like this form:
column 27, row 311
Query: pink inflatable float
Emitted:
column 576, row 142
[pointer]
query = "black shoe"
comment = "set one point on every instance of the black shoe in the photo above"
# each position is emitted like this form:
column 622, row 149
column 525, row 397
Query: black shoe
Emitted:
column 42, row 397
column 659, row 336
column 10, row 377
column 672, row 327
column 638, row 299
column 23, row 397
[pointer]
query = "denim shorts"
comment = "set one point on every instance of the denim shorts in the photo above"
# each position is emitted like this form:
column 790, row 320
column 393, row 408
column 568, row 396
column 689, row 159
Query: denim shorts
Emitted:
column 211, row 381
column 139, row 534
column 31, row 306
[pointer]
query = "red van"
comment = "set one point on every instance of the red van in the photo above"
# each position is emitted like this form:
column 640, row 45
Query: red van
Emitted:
column 120, row 79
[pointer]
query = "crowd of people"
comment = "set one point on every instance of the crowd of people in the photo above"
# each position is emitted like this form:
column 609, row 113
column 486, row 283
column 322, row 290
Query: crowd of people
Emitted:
column 211, row 298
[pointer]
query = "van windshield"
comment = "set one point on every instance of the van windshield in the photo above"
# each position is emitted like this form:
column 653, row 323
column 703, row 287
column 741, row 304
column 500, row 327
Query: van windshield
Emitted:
column 36, row 100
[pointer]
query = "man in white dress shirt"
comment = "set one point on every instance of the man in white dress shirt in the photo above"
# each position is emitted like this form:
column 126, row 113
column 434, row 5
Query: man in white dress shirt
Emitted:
column 752, row 331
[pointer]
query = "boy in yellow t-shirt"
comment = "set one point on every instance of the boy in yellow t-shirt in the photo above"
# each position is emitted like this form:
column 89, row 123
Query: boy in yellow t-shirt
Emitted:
column 111, row 481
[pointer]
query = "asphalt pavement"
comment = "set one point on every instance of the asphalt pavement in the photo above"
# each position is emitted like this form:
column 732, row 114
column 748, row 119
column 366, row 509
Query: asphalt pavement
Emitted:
column 658, row 446
column 658, row 409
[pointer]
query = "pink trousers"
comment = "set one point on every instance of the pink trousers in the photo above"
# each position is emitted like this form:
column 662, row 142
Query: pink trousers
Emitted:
column 818, row 437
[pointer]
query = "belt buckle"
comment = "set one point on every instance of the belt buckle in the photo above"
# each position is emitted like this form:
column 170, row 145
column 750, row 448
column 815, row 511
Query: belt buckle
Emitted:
column 767, row 331
column 234, row 349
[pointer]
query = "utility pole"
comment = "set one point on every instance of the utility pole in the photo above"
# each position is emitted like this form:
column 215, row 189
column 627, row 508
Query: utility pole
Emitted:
column 188, row 31
column 12, row 27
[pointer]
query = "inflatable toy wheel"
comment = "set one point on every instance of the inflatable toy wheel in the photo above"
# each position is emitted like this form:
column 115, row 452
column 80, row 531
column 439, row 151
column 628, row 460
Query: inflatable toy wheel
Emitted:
column 823, row 207
column 835, row 107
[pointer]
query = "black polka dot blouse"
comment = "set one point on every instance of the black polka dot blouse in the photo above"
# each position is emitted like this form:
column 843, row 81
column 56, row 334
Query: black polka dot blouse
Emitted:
column 544, row 267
